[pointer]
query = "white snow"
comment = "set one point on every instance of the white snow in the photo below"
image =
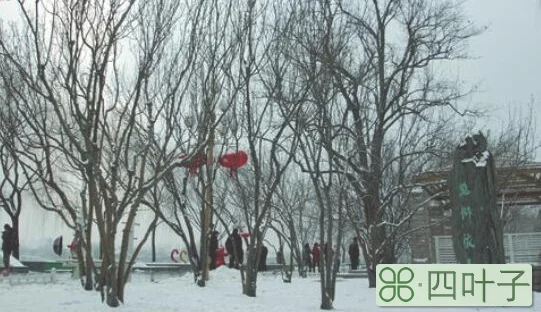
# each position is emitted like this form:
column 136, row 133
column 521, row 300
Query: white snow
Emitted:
column 223, row 293
column 480, row 161
column 417, row 190
column 420, row 260
column 15, row 263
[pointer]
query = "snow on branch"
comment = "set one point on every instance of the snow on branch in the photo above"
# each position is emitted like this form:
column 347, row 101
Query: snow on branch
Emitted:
column 478, row 160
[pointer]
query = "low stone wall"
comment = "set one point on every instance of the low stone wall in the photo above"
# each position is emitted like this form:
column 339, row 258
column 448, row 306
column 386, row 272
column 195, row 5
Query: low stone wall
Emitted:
column 536, row 277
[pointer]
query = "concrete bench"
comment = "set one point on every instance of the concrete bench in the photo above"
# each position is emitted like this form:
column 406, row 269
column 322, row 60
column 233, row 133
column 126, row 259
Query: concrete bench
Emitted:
column 59, row 270
column 162, row 267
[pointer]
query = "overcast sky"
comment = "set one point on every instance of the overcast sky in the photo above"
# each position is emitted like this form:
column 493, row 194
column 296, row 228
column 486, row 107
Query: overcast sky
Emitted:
column 508, row 63
column 508, row 67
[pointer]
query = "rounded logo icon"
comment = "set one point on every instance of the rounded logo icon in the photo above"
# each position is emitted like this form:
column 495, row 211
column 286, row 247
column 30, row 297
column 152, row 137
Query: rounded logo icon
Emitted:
column 397, row 283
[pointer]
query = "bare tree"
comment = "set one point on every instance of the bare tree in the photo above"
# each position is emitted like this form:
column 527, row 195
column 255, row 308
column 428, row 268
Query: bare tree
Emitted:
column 180, row 211
column 212, row 90
column 311, row 39
column 318, row 164
column 295, row 215
column 95, row 113
column 263, row 128
column 384, row 77
column 13, row 182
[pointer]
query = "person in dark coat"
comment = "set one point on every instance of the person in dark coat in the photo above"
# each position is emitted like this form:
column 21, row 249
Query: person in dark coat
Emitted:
column 354, row 254
column 307, row 256
column 9, row 243
column 280, row 256
column 230, row 251
column 263, row 259
column 234, row 249
column 213, row 247
column 315, row 257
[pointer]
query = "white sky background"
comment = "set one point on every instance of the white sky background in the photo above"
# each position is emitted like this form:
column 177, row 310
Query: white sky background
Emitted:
column 507, row 69
column 508, row 64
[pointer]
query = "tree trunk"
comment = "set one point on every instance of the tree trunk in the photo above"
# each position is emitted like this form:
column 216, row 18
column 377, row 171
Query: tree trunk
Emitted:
column 15, row 225
column 253, row 252
column 476, row 222
column 154, row 244
column 109, row 269
column 370, row 269
column 371, row 272
column 326, row 303
column 81, row 264
column 121, row 283
column 88, row 264
column 327, row 257
column 377, row 253
column 89, row 281
column 295, row 248
column 250, row 283
column 327, row 298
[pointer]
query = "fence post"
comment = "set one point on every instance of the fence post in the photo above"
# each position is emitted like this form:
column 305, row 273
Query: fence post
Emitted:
column 53, row 274
column 437, row 247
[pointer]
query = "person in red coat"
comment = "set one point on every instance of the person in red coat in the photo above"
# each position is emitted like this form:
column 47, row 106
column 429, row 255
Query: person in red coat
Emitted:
column 315, row 257
column 220, row 256
column 75, row 244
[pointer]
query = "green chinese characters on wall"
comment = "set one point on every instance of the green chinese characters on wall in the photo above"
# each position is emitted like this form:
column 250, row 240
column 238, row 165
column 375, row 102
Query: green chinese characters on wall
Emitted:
column 476, row 224
column 466, row 216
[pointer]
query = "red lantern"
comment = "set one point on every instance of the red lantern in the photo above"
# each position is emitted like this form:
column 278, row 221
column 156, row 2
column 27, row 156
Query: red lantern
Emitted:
column 233, row 161
column 196, row 162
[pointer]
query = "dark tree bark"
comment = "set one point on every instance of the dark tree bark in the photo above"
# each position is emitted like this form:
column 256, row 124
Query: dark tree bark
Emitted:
column 154, row 245
column 15, row 226
column 477, row 225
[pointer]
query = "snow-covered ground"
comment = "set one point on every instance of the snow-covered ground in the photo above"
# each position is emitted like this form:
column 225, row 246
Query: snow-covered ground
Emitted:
column 28, row 292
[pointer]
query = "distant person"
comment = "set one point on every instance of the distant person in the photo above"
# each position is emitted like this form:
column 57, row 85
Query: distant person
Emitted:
column 337, row 255
column 230, row 251
column 354, row 254
column 263, row 259
column 9, row 243
column 213, row 246
column 307, row 257
column 220, row 256
column 280, row 256
column 315, row 257
column 234, row 249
